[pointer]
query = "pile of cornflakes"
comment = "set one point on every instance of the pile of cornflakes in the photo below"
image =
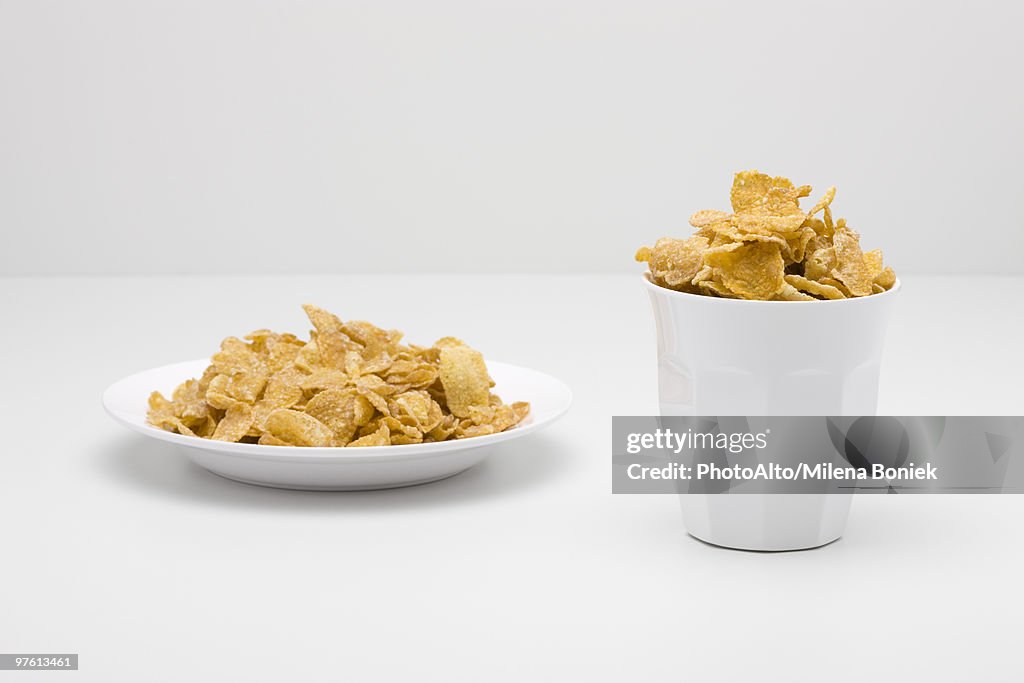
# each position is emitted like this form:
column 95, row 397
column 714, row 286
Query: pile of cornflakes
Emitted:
column 351, row 384
column 769, row 249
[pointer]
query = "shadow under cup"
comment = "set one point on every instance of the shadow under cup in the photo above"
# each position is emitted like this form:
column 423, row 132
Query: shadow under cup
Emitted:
column 721, row 357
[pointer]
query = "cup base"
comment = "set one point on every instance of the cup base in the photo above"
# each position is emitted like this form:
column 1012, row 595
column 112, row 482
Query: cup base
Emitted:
column 760, row 549
column 766, row 522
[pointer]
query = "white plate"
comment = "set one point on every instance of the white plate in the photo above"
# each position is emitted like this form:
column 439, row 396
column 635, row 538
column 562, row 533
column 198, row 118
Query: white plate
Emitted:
column 337, row 469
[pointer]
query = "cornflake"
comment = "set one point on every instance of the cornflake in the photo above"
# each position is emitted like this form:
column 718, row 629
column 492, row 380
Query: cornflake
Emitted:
column 767, row 249
column 352, row 384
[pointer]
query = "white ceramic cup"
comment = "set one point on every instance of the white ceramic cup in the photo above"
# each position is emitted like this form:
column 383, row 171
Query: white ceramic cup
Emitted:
column 733, row 357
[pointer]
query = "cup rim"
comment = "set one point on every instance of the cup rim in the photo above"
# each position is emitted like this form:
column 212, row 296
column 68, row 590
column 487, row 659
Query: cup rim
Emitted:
column 646, row 277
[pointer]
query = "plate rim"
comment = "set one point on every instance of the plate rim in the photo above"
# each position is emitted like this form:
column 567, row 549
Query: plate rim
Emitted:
column 369, row 454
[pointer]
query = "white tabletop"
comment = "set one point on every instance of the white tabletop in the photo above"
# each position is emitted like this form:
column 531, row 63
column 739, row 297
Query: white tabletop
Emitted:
column 524, row 568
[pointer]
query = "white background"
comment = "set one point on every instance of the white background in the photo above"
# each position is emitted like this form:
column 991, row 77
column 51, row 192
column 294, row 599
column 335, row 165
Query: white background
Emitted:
column 230, row 136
